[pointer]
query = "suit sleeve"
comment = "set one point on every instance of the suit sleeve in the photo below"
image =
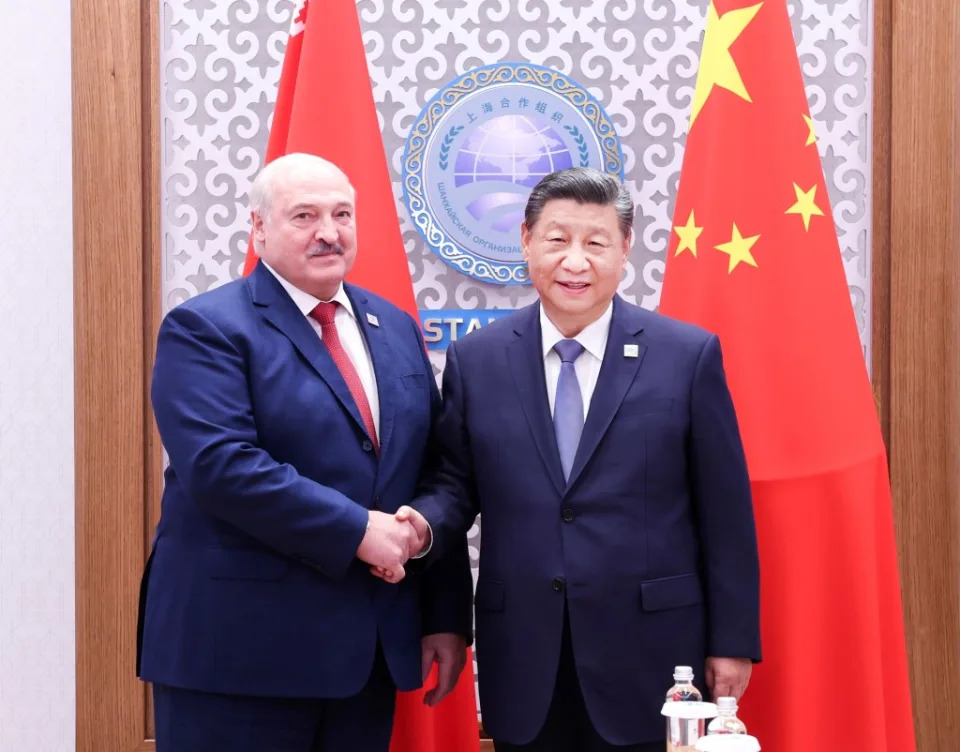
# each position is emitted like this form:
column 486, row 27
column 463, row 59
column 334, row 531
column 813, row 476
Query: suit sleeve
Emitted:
column 721, row 493
column 447, row 496
column 204, row 413
column 447, row 586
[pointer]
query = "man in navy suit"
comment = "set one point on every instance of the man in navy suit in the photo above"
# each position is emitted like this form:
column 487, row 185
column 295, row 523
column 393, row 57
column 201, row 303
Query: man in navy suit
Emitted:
column 600, row 444
column 296, row 411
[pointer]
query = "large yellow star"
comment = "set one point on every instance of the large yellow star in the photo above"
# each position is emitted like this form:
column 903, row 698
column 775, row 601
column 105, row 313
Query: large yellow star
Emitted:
column 717, row 67
column 688, row 236
column 812, row 136
column 806, row 205
column 739, row 249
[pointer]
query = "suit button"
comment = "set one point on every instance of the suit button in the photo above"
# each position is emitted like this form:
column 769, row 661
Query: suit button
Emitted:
column 558, row 584
column 367, row 445
column 568, row 515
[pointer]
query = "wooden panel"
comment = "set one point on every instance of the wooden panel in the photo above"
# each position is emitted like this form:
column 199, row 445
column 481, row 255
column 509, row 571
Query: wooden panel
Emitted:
column 115, row 168
column 151, row 253
column 917, row 325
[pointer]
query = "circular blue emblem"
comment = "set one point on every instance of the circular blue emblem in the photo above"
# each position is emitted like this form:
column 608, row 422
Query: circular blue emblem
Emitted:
column 480, row 146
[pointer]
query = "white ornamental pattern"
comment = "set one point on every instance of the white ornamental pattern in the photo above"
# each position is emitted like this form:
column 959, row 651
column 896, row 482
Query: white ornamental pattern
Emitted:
column 221, row 60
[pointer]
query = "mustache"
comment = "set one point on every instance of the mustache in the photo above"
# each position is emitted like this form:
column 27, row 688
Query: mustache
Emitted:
column 325, row 249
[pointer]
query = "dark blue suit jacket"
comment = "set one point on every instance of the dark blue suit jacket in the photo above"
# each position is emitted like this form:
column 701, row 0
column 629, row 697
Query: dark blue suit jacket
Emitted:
column 651, row 542
column 253, row 586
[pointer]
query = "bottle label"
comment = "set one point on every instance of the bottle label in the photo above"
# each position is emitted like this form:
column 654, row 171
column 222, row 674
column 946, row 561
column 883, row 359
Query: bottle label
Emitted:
column 682, row 734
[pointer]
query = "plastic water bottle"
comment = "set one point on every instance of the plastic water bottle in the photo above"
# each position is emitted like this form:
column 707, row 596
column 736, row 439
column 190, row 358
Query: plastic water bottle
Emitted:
column 683, row 732
column 726, row 721
column 683, row 689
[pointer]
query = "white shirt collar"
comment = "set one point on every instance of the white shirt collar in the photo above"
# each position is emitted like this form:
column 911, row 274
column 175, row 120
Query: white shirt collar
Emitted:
column 593, row 337
column 306, row 302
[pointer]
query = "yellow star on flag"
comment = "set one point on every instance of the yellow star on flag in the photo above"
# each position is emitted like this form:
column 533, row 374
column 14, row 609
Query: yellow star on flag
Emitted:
column 688, row 236
column 806, row 205
column 739, row 249
column 717, row 66
column 812, row 136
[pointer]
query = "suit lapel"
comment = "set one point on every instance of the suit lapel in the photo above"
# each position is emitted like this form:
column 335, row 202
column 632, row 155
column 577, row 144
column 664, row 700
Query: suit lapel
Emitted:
column 282, row 313
column 617, row 373
column 525, row 355
column 383, row 361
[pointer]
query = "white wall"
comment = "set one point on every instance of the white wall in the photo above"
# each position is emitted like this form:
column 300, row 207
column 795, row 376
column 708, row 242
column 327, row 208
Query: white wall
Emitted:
column 36, row 380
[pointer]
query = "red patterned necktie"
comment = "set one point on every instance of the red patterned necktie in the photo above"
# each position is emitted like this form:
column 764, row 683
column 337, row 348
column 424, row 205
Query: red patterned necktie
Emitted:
column 324, row 314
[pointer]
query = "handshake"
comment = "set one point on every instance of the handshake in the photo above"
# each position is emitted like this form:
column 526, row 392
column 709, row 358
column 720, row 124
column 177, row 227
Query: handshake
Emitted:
column 392, row 539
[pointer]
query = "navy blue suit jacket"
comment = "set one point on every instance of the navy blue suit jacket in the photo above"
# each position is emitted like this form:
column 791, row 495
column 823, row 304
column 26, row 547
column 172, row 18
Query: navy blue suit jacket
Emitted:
column 253, row 586
column 651, row 542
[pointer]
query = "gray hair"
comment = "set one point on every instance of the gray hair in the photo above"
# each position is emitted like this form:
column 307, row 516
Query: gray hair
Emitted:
column 261, row 191
column 584, row 185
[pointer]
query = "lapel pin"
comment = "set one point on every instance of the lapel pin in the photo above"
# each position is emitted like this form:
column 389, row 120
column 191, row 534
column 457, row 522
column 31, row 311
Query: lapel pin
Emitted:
column 631, row 351
column 373, row 320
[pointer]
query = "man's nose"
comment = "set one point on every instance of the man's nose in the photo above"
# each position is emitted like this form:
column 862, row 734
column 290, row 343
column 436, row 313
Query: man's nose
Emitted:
column 326, row 230
column 575, row 259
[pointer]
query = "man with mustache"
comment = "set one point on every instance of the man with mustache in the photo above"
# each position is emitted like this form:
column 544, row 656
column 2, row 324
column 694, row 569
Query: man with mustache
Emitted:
column 599, row 443
column 296, row 411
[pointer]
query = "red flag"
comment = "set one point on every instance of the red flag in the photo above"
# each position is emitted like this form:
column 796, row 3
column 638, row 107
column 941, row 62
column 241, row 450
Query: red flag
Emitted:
column 754, row 257
column 325, row 107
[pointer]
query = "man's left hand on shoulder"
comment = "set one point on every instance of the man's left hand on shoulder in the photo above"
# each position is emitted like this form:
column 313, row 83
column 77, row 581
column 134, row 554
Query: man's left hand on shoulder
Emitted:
column 449, row 652
column 728, row 677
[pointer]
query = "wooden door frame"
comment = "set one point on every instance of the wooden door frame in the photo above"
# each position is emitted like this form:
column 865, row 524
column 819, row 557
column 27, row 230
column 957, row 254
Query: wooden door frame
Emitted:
column 916, row 343
column 916, row 332
column 116, row 314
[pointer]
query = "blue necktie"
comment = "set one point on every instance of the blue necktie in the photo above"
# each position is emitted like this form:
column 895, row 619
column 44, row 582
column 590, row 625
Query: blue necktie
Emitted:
column 568, row 405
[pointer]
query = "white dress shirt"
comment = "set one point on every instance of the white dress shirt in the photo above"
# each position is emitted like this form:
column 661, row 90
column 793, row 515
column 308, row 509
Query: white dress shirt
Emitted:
column 587, row 366
column 348, row 329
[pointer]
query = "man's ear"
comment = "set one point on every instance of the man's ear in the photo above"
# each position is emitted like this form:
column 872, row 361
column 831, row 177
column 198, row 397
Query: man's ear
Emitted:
column 625, row 251
column 257, row 221
column 525, row 241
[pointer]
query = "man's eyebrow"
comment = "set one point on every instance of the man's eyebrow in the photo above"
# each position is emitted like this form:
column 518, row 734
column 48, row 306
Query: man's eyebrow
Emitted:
column 302, row 205
column 314, row 205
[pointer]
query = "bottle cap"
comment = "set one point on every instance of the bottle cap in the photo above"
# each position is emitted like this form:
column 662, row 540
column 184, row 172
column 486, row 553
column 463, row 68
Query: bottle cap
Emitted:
column 683, row 673
column 727, row 703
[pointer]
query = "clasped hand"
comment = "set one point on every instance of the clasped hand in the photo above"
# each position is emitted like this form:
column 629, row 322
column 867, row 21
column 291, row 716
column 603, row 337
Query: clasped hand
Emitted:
column 391, row 540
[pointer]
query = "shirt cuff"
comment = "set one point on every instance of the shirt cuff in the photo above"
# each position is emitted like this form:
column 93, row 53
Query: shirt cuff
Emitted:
column 426, row 549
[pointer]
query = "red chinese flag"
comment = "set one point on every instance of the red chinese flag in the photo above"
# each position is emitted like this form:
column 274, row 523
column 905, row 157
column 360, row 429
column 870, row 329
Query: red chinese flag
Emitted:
column 325, row 107
column 754, row 257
